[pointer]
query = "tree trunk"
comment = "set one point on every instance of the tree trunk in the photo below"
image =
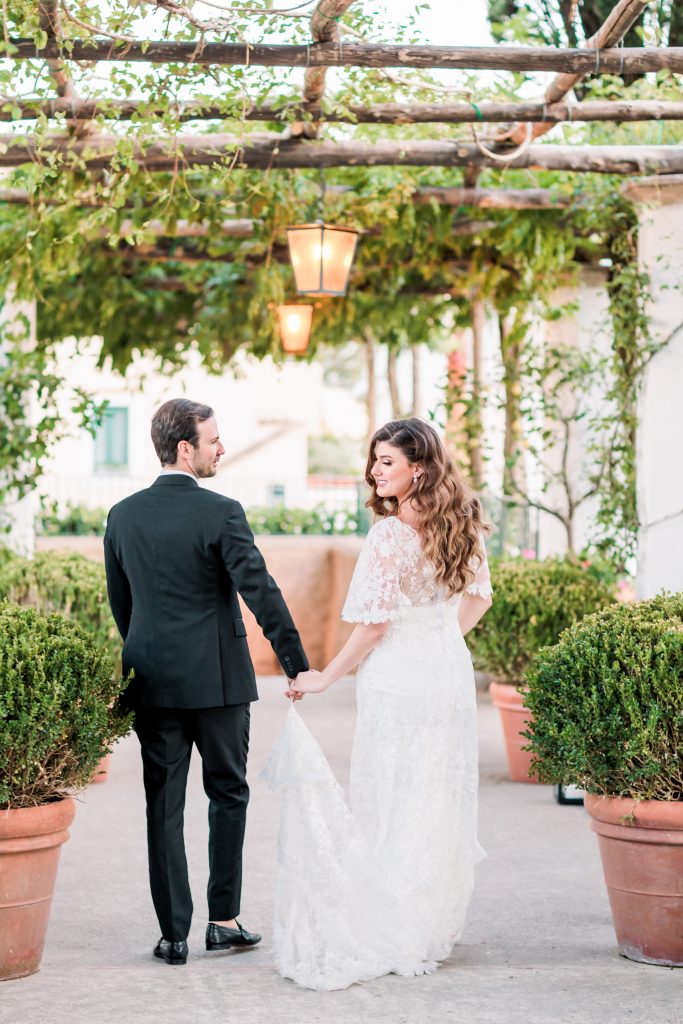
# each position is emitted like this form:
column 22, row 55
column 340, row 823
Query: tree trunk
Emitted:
column 392, row 378
column 371, row 395
column 476, row 426
column 511, row 337
column 417, row 381
column 457, row 433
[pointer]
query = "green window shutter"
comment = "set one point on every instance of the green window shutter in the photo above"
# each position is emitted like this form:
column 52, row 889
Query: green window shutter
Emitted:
column 111, row 440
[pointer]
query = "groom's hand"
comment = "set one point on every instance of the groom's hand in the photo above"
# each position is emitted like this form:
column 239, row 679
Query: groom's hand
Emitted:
column 292, row 694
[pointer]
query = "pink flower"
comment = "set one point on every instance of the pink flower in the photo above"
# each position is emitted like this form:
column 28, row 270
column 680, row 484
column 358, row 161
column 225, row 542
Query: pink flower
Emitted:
column 529, row 554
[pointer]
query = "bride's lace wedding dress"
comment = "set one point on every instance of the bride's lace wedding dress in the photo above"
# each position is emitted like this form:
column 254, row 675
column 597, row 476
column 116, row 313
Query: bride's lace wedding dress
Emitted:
column 384, row 886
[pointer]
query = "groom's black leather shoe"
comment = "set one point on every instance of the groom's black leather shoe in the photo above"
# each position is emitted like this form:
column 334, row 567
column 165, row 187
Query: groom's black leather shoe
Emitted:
column 220, row 937
column 171, row 952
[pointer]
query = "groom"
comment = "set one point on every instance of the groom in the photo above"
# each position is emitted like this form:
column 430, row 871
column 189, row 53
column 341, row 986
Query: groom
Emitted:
column 176, row 557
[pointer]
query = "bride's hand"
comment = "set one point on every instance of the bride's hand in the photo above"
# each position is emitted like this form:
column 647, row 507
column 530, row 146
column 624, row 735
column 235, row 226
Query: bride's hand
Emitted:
column 308, row 682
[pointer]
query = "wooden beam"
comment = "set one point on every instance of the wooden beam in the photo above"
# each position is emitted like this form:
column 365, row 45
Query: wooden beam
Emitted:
column 626, row 60
column 480, row 198
column 14, row 108
column 185, row 229
column 266, row 151
column 173, row 252
column 620, row 19
column 493, row 198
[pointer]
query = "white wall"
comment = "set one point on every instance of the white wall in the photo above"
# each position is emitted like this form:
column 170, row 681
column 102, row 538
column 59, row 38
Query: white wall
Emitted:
column 16, row 517
column 660, row 426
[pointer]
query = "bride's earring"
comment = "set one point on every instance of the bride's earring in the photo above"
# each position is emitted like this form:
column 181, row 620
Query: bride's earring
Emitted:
column 416, row 477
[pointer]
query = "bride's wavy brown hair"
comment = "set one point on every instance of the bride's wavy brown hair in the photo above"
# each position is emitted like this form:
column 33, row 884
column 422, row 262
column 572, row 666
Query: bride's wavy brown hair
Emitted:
column 450, row 520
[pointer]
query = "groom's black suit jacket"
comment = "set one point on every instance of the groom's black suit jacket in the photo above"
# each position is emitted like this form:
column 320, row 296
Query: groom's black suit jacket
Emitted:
column 176, row 556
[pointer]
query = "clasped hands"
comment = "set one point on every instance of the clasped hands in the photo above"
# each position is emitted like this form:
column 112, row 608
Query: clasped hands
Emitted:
column 306, row 682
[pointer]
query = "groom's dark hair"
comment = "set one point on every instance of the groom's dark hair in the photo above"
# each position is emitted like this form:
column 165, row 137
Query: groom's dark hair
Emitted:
column 176, row 420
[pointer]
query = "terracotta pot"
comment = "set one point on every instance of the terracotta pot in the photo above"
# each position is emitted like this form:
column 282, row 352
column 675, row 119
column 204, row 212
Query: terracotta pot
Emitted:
column 30, row 841
column 643, row 867
column 102, row 770
column 515, row 718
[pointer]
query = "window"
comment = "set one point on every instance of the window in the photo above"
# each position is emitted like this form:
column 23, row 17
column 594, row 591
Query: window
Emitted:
column 275, row 494
column 111, row 440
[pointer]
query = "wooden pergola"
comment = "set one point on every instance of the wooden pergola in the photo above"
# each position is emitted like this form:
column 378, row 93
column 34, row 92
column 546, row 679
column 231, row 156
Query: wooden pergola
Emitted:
column 300, row 144
column 83, row 130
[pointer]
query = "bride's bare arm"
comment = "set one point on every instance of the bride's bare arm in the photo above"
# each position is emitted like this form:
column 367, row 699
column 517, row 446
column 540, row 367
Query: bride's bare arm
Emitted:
column 363, row 640
column 472, row 608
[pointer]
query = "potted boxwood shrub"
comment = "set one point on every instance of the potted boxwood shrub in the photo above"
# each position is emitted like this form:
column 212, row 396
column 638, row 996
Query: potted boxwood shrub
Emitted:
column 73, row 586
column 58, row 715
column 534, row 602
column 607, row 703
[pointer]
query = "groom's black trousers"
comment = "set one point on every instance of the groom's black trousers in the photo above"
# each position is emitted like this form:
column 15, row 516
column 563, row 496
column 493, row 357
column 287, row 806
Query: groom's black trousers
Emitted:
column 221, row 736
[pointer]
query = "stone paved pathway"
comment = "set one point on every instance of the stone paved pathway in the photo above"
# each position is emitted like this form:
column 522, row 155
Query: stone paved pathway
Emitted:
column 538, row 946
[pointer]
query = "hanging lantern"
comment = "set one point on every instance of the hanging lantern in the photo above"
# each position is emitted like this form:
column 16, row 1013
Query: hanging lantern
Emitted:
column 321, row 256
column 295, row 327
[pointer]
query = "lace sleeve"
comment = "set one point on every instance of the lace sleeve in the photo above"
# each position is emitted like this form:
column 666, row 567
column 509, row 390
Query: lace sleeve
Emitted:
column 375, row 586
column 481, row 584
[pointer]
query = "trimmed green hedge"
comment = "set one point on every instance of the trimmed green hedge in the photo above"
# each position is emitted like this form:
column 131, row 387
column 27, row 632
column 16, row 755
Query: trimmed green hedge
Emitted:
column 72, row 521
column 607, row 702
column 58, row 710
column 534, row 601
column 66, row 583
column 298, row 521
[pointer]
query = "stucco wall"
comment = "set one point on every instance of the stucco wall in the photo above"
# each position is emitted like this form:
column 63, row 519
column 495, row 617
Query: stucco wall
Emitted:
column 660, row 412
column 313, row 573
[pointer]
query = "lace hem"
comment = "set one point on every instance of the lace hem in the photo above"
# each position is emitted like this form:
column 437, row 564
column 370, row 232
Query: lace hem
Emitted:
column 480, row 590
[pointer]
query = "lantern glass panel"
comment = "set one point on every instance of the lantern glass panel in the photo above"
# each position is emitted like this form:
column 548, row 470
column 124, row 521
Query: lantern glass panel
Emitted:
column 321, row 257
column 337, row 256
column 295, row 327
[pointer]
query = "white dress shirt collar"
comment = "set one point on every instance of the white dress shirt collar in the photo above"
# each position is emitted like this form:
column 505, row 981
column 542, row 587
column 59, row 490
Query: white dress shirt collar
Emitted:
column 178, row 472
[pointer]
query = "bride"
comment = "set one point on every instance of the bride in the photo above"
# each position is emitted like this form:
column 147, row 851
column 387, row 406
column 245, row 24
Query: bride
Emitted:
column 383, row 887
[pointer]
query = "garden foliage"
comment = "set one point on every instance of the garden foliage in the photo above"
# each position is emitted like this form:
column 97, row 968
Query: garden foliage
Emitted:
column 58, row 713
column 72, row 521
column 607, row 702
column 279, row 519
column 68, row 584
column 534, row 602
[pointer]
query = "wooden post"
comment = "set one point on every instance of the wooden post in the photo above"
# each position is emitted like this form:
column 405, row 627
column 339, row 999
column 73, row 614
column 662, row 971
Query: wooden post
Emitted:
column 620, row 19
